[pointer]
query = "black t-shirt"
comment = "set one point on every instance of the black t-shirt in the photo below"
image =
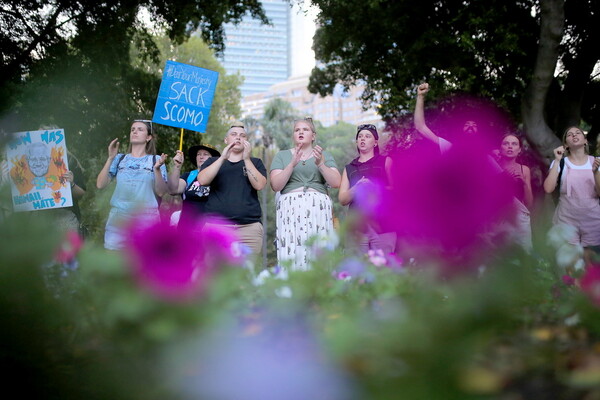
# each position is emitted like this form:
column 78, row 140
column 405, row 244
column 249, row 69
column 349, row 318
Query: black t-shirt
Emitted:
column 195, row 197
column 231, row 194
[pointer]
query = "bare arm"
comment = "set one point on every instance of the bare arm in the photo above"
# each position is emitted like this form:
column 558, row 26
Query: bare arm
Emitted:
column 331, row 174
column 527, row 187
column 206, row 176
column 419, row 116
column 77, row 191
column 346, row 194
column 552, row 178
column 257, row 180
column 388, row 172
column 175, row 184
column 160, row 186
column 103, row 178
column 596, row 174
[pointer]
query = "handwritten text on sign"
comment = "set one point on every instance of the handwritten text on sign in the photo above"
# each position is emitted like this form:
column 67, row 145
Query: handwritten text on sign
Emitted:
column 185, row 96
column 37, row 167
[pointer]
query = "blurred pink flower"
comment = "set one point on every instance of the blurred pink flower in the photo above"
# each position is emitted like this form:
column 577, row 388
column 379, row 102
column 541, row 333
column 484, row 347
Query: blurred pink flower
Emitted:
column 175, row 262
column 446, row 206
column 69, row 247
column 377, row 257
column 229, row 249
column 590, row 283
column 343, row 276
column 568, row 280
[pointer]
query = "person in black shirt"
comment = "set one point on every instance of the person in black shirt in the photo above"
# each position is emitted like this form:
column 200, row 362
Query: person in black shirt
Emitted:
column 234, row 180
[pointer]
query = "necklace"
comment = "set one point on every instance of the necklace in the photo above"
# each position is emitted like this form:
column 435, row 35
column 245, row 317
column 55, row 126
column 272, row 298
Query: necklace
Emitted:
column 305, row 158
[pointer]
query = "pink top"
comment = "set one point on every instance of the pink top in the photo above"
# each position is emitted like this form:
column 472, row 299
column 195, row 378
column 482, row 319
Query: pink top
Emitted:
column 579, row 204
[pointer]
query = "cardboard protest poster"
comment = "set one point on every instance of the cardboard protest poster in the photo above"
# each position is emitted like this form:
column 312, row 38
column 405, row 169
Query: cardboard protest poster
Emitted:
column 37, row 161
column 185, row 96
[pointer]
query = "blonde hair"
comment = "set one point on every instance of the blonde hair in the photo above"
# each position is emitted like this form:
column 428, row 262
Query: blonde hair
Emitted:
column 308, row 121
column 586, row 147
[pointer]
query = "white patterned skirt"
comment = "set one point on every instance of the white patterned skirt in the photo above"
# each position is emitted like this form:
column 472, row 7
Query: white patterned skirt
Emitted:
column 301, row 216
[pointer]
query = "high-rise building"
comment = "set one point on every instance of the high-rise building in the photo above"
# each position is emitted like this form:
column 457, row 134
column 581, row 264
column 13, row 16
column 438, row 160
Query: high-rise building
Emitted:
column 268, row 54
column 260, row 53
column 329, row 110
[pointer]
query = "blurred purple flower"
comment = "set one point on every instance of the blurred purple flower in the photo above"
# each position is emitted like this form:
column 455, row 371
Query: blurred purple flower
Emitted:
column 445, row 206
column 175, row 262
column 368, row 198
column 276, row 360
column 352, row 267
column 590, row 283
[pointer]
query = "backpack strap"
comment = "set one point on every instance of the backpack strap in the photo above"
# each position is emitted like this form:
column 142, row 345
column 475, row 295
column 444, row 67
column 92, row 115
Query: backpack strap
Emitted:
column 561, row 169
column 118, row 163
column 191, row 178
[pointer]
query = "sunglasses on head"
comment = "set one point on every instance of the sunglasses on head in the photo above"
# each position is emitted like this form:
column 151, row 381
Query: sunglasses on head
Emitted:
column 146, row 121
column 366, row 126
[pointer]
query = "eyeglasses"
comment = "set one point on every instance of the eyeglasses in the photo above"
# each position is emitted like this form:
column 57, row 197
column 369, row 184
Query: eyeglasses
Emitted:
column 146, row 121
column 366, row 126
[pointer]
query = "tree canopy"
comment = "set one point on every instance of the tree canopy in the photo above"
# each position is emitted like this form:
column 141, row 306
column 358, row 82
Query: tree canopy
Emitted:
column 70, row 63
column 494, row 49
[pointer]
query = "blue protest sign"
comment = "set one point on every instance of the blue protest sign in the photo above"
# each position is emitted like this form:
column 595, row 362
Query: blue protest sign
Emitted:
column 185, row 96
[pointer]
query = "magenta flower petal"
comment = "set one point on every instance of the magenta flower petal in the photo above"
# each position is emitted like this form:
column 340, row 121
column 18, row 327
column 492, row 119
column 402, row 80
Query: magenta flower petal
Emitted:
column 69, row 247
column 442, row 206
column 167, row 260
column 590, row 283
column 225, row 246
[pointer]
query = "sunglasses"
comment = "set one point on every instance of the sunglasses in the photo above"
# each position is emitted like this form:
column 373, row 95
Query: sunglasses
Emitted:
column 237, row 126
column 366, row 126
column 145, row 121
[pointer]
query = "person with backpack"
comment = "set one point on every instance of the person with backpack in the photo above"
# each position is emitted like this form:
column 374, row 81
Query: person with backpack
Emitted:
column 574, row 173
column 141, row 181
column 194, row 195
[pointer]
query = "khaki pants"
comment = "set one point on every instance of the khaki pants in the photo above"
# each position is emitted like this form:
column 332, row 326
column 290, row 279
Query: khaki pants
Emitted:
column 251, row 235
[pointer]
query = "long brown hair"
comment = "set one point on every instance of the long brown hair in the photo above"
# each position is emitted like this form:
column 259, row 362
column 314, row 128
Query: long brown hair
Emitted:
column 150, row 144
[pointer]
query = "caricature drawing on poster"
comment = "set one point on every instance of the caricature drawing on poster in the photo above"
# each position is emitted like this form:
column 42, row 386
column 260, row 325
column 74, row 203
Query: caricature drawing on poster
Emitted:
column 37, row 162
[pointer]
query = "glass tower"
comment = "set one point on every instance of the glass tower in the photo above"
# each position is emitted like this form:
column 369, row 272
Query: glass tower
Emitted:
column 260, row 53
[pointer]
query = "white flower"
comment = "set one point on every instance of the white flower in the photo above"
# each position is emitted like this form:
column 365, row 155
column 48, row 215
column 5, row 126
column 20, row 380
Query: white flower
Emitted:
column 559, row 234
column 284, row 292
column 568, row 255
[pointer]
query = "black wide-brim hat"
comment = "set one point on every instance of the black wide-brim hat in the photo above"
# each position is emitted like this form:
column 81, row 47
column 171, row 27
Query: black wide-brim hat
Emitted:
column 193, row 151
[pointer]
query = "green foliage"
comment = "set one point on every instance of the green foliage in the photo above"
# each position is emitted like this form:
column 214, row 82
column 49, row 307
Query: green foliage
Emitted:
column 501, row 334
column 485, row 48
column 80, row 74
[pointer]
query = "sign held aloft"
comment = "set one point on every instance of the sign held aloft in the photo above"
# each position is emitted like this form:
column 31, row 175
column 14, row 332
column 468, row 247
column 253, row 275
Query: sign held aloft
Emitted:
column 185, row 96
column 37, row 163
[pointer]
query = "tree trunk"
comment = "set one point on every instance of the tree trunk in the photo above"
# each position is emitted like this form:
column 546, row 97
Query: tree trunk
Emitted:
column 534, row 99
